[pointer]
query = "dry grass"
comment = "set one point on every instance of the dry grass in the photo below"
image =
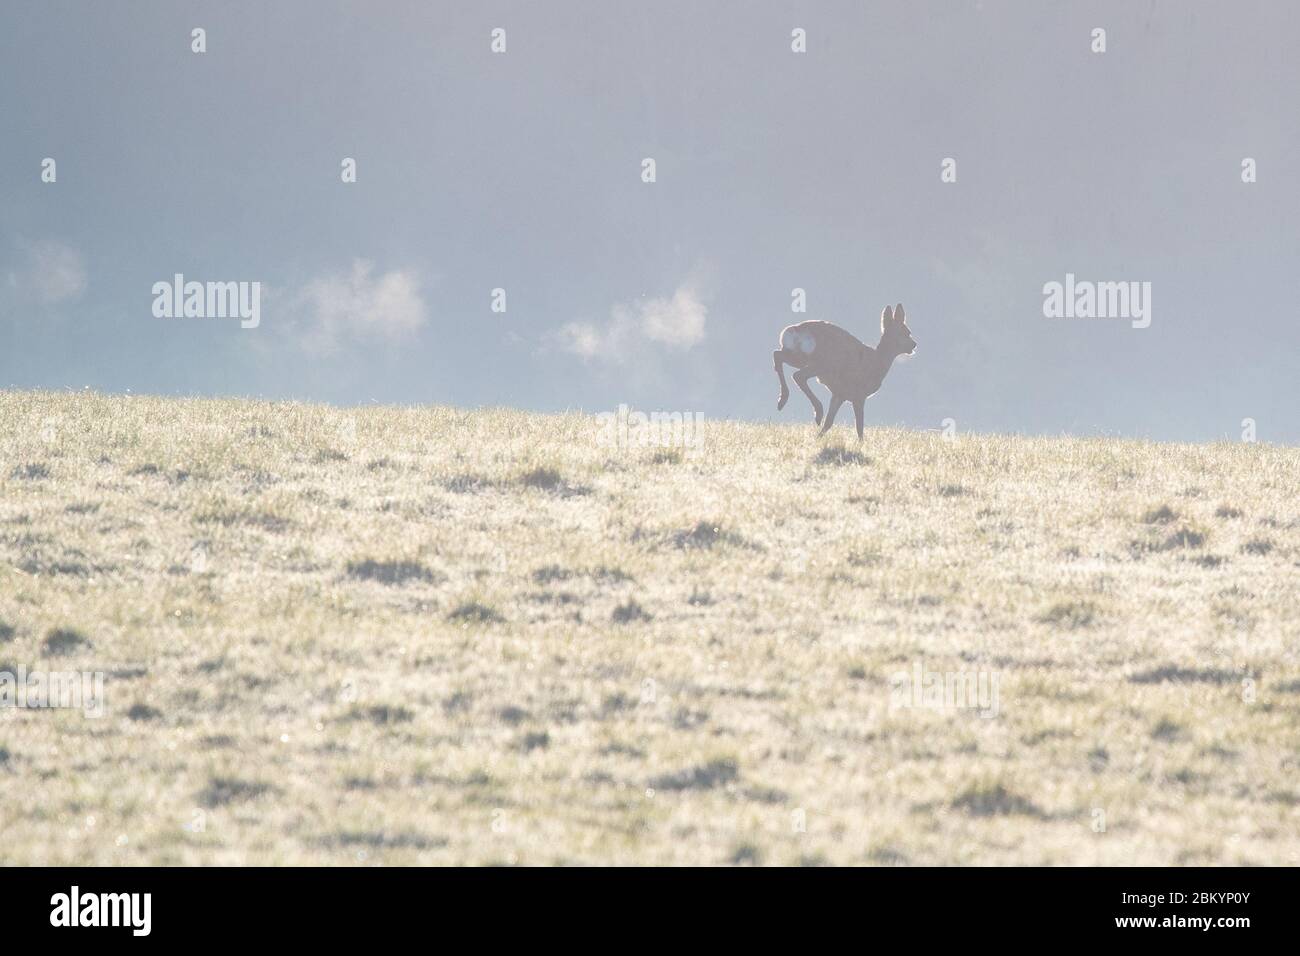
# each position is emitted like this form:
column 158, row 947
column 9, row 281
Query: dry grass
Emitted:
column 437, row 636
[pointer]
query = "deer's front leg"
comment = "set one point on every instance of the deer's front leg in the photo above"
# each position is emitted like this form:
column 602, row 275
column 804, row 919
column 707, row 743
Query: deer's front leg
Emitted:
column 801, row 379
column 836, row 402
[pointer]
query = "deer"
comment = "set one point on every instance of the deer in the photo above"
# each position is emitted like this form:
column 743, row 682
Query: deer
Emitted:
column 851, row 370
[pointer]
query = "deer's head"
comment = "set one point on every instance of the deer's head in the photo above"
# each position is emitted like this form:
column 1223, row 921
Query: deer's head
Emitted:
column 895, row 336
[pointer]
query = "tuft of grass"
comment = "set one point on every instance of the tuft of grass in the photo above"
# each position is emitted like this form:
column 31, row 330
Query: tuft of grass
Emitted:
column 1162, row 515
column 55, row 566
column 1167, row 730
column 628, row 612
column 143, row 712
column 551, row 573
column 63, row 641
column 704, row 534
column 715, row 773
column 468, row 484
column 551, row 481
column 474, row 612
column 35, row 471
column 888, row 855
column 223, row 791
column 513, row 715
column 1070, row 614
column 699, row 598
column 1098, row 759
column 458, row 703
column 389, row 572
column 1260, row 546
column 1170, row 673
column 747, row 854
column 838, row 455
column 995, row 800
column 686, row 719
column 535, row 741
column 545, row 479
column 379, row 840
column 1183, row 538
column 382, row 714
column 615, row 703
column 865, row 557
column 248, row 517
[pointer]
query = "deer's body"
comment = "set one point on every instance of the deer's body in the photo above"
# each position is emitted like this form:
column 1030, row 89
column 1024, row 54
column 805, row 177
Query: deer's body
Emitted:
column 852, row 370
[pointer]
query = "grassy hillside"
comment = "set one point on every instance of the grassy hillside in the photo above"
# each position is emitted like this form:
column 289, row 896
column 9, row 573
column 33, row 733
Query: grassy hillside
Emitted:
column 442, row 636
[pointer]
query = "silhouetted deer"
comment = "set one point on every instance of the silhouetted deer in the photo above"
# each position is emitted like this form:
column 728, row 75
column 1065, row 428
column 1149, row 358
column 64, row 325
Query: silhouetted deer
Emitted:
column 851, row 370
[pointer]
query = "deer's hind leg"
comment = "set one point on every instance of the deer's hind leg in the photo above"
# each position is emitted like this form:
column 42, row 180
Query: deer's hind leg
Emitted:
column 778, row 360
column 801, row 379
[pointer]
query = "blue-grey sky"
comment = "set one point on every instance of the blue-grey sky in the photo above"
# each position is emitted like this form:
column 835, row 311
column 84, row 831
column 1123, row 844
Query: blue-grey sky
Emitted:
column 775, row 170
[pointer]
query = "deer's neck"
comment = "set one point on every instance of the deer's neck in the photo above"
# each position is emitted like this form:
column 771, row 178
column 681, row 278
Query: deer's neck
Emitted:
column 885, row 356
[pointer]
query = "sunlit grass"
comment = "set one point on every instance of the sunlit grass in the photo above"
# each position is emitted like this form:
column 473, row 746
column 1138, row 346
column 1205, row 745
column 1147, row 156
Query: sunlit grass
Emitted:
column 432, row 635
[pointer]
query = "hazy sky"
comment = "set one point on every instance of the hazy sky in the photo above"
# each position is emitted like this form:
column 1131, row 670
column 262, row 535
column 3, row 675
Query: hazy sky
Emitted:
column 775, row 170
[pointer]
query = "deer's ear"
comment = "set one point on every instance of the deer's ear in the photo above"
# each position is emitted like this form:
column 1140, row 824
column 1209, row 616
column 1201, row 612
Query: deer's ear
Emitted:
column 886, row 317
column 898, row 312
